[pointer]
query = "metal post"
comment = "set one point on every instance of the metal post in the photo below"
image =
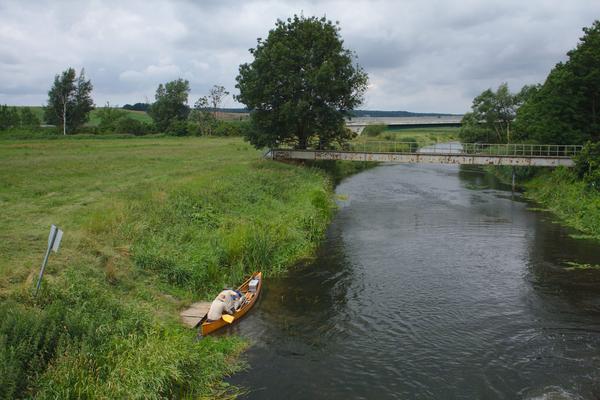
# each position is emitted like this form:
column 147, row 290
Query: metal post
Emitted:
column 50, row 244
column 513, row 178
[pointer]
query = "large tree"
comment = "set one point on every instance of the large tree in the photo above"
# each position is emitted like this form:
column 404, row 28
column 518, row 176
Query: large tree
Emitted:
column 69, row 101
column 492, row 115
column 566, row 109
column 301, row 84
column 170, row 106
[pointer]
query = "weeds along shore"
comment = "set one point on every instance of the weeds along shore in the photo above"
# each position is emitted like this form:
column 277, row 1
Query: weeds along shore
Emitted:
column 150, row 226
column 560, row 192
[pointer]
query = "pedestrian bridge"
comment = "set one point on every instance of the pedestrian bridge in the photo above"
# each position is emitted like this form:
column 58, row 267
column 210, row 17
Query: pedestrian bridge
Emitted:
column 535, row 155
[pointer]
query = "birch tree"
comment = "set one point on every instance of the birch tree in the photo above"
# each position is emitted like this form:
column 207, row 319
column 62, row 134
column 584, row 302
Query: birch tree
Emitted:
column 69, row 101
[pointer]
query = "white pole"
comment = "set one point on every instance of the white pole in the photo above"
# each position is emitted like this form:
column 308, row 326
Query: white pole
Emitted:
column 50, row 244
column 64, row 116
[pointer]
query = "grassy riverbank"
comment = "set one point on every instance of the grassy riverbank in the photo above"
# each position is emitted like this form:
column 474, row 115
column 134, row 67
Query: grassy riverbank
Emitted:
column 563, row 194
column 560, row 192
column 150, row 225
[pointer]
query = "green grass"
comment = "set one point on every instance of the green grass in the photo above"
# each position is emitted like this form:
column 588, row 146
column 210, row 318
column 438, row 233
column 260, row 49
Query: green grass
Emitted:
column 421, row 136
column 570, row 199
column 150, row 225
column 94, row 120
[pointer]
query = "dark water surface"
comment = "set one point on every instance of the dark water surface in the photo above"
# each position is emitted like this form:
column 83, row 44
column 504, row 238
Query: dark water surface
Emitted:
column 432, row 283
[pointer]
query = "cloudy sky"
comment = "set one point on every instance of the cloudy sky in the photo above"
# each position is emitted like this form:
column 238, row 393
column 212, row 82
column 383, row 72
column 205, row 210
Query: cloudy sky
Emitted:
column 421, row 55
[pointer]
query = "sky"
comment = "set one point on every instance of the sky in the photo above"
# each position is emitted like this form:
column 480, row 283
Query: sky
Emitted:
column 421, row 55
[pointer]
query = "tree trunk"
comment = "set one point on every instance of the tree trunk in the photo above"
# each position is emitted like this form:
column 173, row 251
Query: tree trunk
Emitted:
column 302, row 142
column 64, row 119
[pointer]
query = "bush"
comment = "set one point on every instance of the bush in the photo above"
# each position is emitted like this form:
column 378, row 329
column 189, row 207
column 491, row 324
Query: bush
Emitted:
column 178, row 128
column 411, row 143
column 9, row 117
column 212, row 127
column 29, row 119
column 587, row 165
column 374, row 130
column 132, row 126
column 230, row 128
column 108, row 117
column 30, row 133
column 87, row 130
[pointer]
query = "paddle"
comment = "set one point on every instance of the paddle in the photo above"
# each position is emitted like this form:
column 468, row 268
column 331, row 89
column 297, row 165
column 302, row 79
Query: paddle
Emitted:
column 201, row 320
column 228, row 318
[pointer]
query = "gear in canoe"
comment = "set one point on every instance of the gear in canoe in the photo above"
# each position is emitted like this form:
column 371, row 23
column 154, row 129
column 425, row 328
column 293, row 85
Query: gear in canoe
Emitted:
column 231, row 305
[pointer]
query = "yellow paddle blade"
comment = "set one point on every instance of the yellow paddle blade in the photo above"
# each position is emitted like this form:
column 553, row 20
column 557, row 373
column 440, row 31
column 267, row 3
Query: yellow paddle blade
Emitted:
column 228, row 318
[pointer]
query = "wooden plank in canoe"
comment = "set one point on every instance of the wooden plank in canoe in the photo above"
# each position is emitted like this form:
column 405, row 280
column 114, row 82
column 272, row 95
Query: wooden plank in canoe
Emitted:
column 192, row 315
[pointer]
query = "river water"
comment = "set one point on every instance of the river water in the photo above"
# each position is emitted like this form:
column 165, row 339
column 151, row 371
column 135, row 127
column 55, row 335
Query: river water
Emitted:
column 433, row 282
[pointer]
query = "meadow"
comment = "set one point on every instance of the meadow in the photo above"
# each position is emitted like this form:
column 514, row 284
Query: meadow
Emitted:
column 150, row 225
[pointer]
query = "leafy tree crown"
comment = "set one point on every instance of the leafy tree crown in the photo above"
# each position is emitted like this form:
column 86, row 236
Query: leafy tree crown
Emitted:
column 301, row 84
column 69, row 101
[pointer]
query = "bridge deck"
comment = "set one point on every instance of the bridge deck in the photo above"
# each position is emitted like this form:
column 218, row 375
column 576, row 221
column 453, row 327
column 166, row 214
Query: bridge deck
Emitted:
column 424, row 158
column 469, row 153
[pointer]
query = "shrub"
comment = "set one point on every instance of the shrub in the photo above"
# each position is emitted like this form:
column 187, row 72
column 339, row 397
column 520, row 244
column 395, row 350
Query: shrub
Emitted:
column 374, row 130
column 408, row 144
column 87, row 130
column 132, row 126
column 178, row 128
column 587, row 165
column 9, row 117
column 229, row 128
column 108, row 117
column 30, row 133
column 29, row 119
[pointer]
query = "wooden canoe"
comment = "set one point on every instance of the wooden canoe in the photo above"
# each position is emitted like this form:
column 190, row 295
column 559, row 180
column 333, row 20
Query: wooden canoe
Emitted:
column 209, row 327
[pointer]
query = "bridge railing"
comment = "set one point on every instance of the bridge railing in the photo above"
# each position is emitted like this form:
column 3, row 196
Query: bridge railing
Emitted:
column 487, row 149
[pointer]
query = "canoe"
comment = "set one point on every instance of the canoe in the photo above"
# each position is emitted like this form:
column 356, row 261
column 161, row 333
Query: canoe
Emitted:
column 251, row 297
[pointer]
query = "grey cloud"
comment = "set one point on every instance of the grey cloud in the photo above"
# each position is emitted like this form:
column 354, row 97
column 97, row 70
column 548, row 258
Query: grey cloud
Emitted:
column 421, row 55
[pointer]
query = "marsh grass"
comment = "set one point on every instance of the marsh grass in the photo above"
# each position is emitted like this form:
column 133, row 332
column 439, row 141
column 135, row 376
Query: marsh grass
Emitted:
column 150, row 226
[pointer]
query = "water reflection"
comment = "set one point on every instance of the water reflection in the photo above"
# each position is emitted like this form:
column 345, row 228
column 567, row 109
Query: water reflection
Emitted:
column 433, row 282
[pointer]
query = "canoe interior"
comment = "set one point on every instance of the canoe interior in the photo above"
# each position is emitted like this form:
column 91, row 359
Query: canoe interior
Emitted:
column 209, row 327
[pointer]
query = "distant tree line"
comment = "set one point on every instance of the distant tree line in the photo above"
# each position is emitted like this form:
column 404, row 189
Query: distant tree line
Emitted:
column 14, row 118
column 393, row 114
column 137, row 107
column 70, row 103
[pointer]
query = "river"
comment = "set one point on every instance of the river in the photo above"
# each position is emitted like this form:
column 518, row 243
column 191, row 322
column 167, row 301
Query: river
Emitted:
column 432, row 282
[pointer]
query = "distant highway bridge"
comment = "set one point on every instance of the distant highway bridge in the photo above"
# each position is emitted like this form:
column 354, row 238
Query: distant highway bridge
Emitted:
column 358, row 124
column 535, row 155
